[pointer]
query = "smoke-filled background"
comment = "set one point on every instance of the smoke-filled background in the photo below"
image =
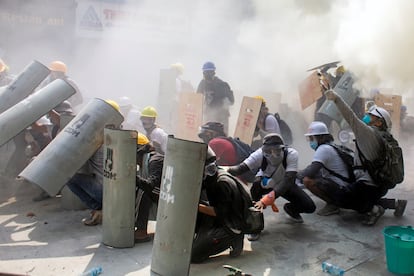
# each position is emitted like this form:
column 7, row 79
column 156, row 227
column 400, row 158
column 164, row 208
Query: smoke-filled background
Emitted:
column 116, row 48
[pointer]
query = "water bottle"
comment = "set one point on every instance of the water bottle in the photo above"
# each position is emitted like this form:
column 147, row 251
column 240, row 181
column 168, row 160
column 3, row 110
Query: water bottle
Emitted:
column 94, row 271
column 332, row 269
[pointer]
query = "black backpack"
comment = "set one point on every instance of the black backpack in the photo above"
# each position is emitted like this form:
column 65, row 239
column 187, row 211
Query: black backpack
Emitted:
column 347, row 156
column 243, row 150
column 285, row 130
column 251, row 219
column 387, row 170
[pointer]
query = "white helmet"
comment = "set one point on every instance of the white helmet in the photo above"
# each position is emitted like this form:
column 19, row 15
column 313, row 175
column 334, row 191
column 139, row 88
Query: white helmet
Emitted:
column 381, row 113
column 317, row 128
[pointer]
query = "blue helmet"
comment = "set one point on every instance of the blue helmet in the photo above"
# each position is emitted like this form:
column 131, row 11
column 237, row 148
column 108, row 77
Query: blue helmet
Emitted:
column 209, row 66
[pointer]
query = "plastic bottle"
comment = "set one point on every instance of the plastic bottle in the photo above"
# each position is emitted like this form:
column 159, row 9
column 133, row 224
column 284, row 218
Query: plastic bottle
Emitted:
column 332, row 269
column 94, row 271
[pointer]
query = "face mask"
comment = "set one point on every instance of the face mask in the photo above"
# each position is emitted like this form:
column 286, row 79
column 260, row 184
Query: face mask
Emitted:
column 366, row 119
column 313, row 144
column 275, row 160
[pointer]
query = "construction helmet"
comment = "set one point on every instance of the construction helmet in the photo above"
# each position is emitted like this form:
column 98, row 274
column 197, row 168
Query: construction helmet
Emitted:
column 114, row 104
column 3, row 66
column 178, row 66
column 149, row 111
column 340, row 70
column 317, row 128
column 260, row 98
column 142, row 139
column 381, row 113
column 58, row 66
column 209, row 66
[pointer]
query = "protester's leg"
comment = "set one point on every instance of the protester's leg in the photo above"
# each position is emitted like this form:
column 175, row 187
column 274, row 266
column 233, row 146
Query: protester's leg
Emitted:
column 144, row 203
column 211, row 241
column 88, row 190
column 301, row 202
column 398, row 205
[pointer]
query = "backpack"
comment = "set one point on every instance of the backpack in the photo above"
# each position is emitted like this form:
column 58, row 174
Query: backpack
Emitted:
column 285, row 130
column 347, row 156
column 251, row 219
column 387, row 170
column 242, row 149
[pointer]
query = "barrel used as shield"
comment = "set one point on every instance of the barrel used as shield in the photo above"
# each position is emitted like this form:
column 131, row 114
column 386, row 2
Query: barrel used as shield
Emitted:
column 120, row 168
column 177, row 208
column 32, row 108
column 72, row 147
column 24, row 84
column 345, row 90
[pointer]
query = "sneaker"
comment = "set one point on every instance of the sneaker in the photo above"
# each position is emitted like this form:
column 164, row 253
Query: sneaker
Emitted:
column 237, row 246
column 95, row 219
column 328, row 209
column 42, row 196
column 292, row 215
column 372, row 217
column 400, row 207
column 253, row 237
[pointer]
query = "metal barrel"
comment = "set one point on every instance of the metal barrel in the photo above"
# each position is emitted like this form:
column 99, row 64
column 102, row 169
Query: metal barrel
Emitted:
column 24, row 84
column 177, row 208
column 120, row 168
column 72, row 147
column 30, row 109
column 345, row 90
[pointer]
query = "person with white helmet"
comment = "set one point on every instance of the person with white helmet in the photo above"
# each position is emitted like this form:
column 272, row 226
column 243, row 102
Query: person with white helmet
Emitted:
column 327, row 176
column 366, row 194
column 155, row 133
column 218, row 96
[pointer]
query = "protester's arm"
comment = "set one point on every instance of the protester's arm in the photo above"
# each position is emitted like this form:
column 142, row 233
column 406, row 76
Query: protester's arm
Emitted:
column 207, row 210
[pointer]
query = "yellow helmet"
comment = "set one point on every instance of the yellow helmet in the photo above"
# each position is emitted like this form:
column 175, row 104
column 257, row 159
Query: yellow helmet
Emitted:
column 114, row 104
column 149, row 111
column 178, row 66
column 3, row 66
column 340, row 70
column 58, row 66
column 142, row 139
column 260, row 98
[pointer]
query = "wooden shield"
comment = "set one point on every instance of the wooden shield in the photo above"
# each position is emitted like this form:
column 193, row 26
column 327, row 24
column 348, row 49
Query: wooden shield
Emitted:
column 189, row 116
column 247, row 120
column 309, row 90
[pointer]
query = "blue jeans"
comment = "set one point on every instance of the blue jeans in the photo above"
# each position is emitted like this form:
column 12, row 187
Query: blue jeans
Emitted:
column 88, row 188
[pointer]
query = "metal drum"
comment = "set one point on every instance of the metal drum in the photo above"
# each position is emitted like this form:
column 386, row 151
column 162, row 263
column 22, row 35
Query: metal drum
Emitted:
column 118, row 203
column 20, row 116
column 177, row 208
column 24, row 84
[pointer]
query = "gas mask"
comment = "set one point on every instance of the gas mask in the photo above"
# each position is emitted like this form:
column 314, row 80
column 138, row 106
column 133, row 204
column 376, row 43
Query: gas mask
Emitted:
column 210, row 169
column 273, row 155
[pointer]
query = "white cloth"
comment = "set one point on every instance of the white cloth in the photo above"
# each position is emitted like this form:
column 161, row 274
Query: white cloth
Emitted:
column 328, row 156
